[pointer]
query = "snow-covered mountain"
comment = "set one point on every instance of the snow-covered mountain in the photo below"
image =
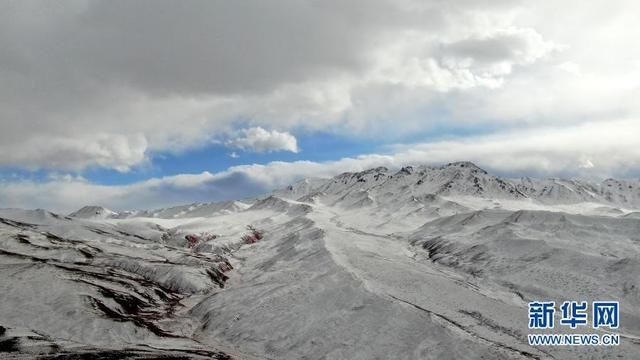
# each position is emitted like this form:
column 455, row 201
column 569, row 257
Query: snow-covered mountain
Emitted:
column 93, row 212
column 420, row 263
column 558, row 191
column 175, row 212
column 382, row 186
column 191, row 210
column 423, row 184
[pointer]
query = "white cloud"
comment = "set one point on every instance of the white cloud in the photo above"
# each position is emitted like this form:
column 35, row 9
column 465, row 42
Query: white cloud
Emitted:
column 485, row 59
column 80, row 91
column 359, row 67
column 593, row 150
column 260, row 140
column 119, row 152
column 570, row 67
column 586, row 150
column 586, row 164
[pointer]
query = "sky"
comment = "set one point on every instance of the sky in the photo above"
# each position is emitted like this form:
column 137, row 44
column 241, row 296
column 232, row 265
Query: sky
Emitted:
column 143, row 104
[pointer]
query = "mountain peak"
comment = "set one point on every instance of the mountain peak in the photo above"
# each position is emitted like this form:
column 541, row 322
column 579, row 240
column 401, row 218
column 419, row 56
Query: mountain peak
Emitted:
column 465, row 165
column 93, row 212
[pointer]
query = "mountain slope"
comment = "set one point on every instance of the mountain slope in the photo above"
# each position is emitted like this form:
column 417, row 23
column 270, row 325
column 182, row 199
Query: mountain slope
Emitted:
column 420, row 263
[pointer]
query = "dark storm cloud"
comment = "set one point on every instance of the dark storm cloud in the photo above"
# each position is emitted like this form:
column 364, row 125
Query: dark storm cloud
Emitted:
column 77, row 73
column 187, row 47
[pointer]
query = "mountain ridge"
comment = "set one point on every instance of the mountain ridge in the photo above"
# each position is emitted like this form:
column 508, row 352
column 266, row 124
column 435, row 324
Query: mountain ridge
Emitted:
column 465, row 178
column 382, row 186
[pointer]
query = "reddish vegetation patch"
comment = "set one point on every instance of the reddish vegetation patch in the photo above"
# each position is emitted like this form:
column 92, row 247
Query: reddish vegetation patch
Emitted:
column 195, row 239
column 192, row 240
column 253, row 236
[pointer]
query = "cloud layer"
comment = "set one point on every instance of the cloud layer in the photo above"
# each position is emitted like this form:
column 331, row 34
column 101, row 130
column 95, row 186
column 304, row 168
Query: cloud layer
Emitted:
column 554, row 86
column 76, row 69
